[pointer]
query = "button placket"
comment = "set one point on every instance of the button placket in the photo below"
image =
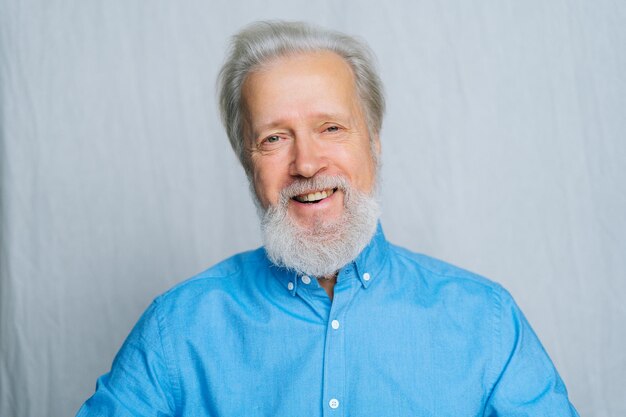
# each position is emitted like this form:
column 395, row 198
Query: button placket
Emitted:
column 334, row 366
column 334, row 357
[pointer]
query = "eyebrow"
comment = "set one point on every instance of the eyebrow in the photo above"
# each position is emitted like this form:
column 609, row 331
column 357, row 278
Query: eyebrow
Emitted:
column 320, row 116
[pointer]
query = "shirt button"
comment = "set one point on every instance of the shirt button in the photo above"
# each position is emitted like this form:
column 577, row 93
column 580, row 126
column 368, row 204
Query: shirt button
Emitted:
column 334, row 403
column 334, row 324
column 290, row 286
column 366, row 276
column 306, row 280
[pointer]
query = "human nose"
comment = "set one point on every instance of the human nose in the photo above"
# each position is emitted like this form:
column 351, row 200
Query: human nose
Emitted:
column 307, row 157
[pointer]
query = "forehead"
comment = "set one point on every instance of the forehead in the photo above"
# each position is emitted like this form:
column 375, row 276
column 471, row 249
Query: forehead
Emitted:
column 313, row 64
column 313, row 81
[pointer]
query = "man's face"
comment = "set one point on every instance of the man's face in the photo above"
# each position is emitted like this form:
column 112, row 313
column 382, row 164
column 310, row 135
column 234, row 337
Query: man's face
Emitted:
column 302, row 121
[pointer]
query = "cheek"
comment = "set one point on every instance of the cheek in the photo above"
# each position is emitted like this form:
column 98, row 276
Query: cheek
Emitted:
column 361, row 167
column 261, row 188
column 368, row 177
column 266, row 180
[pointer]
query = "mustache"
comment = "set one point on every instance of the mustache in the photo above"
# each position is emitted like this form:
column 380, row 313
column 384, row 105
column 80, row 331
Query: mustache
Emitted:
column 307, row 185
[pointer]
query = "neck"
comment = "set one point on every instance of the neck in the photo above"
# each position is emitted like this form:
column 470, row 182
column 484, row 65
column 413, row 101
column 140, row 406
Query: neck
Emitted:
column 328, row 283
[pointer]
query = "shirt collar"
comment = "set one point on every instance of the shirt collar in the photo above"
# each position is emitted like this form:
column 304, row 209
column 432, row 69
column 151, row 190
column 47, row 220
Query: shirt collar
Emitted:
column 368, row 264
column 371, row 260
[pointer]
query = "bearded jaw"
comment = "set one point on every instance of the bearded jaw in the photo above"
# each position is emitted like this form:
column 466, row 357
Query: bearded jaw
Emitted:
column 325, row 245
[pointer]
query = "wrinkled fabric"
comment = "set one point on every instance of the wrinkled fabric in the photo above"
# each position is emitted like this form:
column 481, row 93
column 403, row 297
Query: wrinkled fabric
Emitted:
column 404, row 335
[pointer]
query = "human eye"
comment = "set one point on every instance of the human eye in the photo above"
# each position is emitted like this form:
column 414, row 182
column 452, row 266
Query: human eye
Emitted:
column 272, row 139
column 332, row 128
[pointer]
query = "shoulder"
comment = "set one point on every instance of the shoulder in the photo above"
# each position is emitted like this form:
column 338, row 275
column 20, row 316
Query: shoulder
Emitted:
column 227, row 276
column 439, row 277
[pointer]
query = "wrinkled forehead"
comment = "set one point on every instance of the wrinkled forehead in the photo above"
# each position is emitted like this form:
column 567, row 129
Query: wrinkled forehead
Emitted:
column 302, row 89
column 321, row 82
column 323, row 63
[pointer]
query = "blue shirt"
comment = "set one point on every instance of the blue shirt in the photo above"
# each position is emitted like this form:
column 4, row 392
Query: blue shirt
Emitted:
column 405, row 335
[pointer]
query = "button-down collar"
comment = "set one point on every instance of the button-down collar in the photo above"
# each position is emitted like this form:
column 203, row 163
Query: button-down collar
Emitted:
column 370, row 261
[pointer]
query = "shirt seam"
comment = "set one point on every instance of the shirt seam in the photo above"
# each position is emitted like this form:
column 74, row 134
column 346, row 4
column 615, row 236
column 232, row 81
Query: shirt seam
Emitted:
column 496, row 346
column 216, row 271
column 469, row 276
column 173, row 372
column 496, row 318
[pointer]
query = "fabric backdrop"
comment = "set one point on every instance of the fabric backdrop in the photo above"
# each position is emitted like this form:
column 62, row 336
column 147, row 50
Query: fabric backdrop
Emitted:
column 503, row 150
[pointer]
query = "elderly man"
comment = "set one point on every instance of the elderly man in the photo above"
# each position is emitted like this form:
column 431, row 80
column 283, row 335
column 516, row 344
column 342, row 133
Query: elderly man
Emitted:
column 328, row 318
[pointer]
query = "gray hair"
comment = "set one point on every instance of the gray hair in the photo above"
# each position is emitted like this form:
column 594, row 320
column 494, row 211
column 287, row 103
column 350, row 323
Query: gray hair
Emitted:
column 261, row 42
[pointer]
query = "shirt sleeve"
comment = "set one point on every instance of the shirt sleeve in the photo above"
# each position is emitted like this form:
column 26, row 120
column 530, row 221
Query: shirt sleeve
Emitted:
column 139, row 383
column 526, row 382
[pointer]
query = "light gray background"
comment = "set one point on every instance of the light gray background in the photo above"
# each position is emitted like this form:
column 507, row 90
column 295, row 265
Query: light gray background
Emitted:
column 504, row 148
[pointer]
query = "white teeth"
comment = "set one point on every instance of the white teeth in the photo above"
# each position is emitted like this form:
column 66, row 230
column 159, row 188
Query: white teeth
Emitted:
column 316, row 196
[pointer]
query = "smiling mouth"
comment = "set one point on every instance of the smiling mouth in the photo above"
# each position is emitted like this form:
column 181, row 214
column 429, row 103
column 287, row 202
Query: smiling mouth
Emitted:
column 314, row 197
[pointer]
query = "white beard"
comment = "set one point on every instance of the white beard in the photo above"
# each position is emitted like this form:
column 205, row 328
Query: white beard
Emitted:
column 325, row 246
